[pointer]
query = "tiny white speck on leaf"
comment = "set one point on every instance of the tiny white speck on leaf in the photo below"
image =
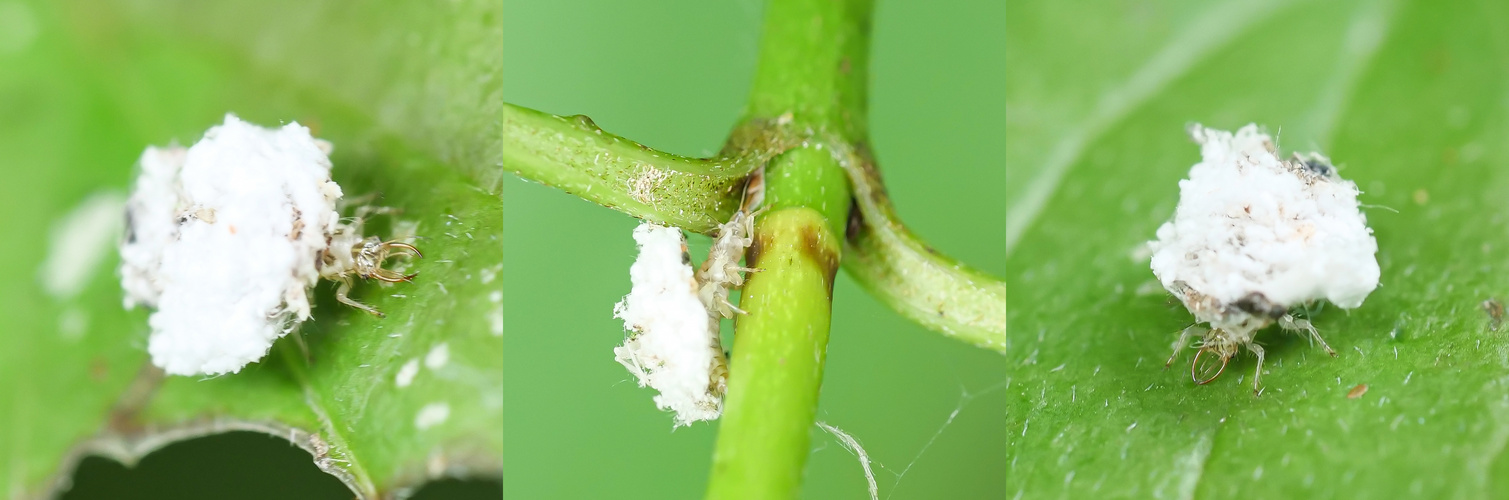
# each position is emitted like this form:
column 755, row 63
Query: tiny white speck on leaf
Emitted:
column 80, row 241
column 495, row 320
column 73, row 323
column 18, row 27
column 406, row 373
column 431, row 415
column 438, row 356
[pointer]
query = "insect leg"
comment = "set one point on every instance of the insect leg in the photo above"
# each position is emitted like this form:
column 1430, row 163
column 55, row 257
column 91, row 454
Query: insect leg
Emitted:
column 359, row 201
column 1258, row 350
column 365, row 211
column 732, row 307
column 1183, row 342
column 344, row 288
column 1290, row 323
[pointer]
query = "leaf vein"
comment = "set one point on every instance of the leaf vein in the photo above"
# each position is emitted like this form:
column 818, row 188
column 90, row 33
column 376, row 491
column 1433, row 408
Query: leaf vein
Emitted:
column 1215, row 28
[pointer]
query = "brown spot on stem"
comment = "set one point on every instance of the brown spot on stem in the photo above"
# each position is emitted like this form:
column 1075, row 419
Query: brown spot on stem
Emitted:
column 815, row 247
column 870, row 186
column 756, row 248
column 856, row 223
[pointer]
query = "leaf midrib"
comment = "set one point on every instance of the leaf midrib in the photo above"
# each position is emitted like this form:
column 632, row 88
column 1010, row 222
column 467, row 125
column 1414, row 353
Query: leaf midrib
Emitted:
column 1185, row 51
column 333, row 435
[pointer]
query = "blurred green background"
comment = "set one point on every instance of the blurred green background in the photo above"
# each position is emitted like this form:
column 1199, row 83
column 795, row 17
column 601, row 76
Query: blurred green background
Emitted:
column 674, row 75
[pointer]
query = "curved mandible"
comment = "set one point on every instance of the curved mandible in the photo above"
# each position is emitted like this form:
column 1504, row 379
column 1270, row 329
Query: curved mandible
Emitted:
column 1195, row 375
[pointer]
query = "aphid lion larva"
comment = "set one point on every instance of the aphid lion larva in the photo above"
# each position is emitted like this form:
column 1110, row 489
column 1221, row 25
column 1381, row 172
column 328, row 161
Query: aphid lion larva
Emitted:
column 1247, row 244
column 722, row 272
column 349, row 254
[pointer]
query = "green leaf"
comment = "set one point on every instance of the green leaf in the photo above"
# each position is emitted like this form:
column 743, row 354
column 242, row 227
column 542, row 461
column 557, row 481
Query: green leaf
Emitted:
column 1410, row 98
column 406, row 111
column 922, row 405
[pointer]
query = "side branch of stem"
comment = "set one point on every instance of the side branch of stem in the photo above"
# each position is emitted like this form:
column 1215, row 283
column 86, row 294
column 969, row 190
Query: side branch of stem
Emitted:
column 922, row 284
column 574, row 155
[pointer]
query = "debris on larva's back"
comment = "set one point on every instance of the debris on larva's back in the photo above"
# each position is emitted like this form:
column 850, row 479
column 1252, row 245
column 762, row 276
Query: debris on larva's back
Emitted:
column 1254, row 236
column 225, row 239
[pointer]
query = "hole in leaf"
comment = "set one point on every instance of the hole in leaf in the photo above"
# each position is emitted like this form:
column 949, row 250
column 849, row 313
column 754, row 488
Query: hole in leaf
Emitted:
column 234, row 465
column 237, row 465
column 460, row 489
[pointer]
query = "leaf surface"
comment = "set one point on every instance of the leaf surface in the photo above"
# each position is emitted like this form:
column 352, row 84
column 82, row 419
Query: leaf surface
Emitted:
column 1410, row 98
column 402, row 94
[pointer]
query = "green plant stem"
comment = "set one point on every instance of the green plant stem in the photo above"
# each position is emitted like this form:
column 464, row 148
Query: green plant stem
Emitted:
column 777, row 366
column 811, row 75
column 928, row 287
column 810, row 89
column 814, row 64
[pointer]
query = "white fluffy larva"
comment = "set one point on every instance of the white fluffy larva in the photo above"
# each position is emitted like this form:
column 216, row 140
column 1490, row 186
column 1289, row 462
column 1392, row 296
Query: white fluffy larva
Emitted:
column 673, row 314
column 1255, row 235
column 225, row 238
column 671, row 346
